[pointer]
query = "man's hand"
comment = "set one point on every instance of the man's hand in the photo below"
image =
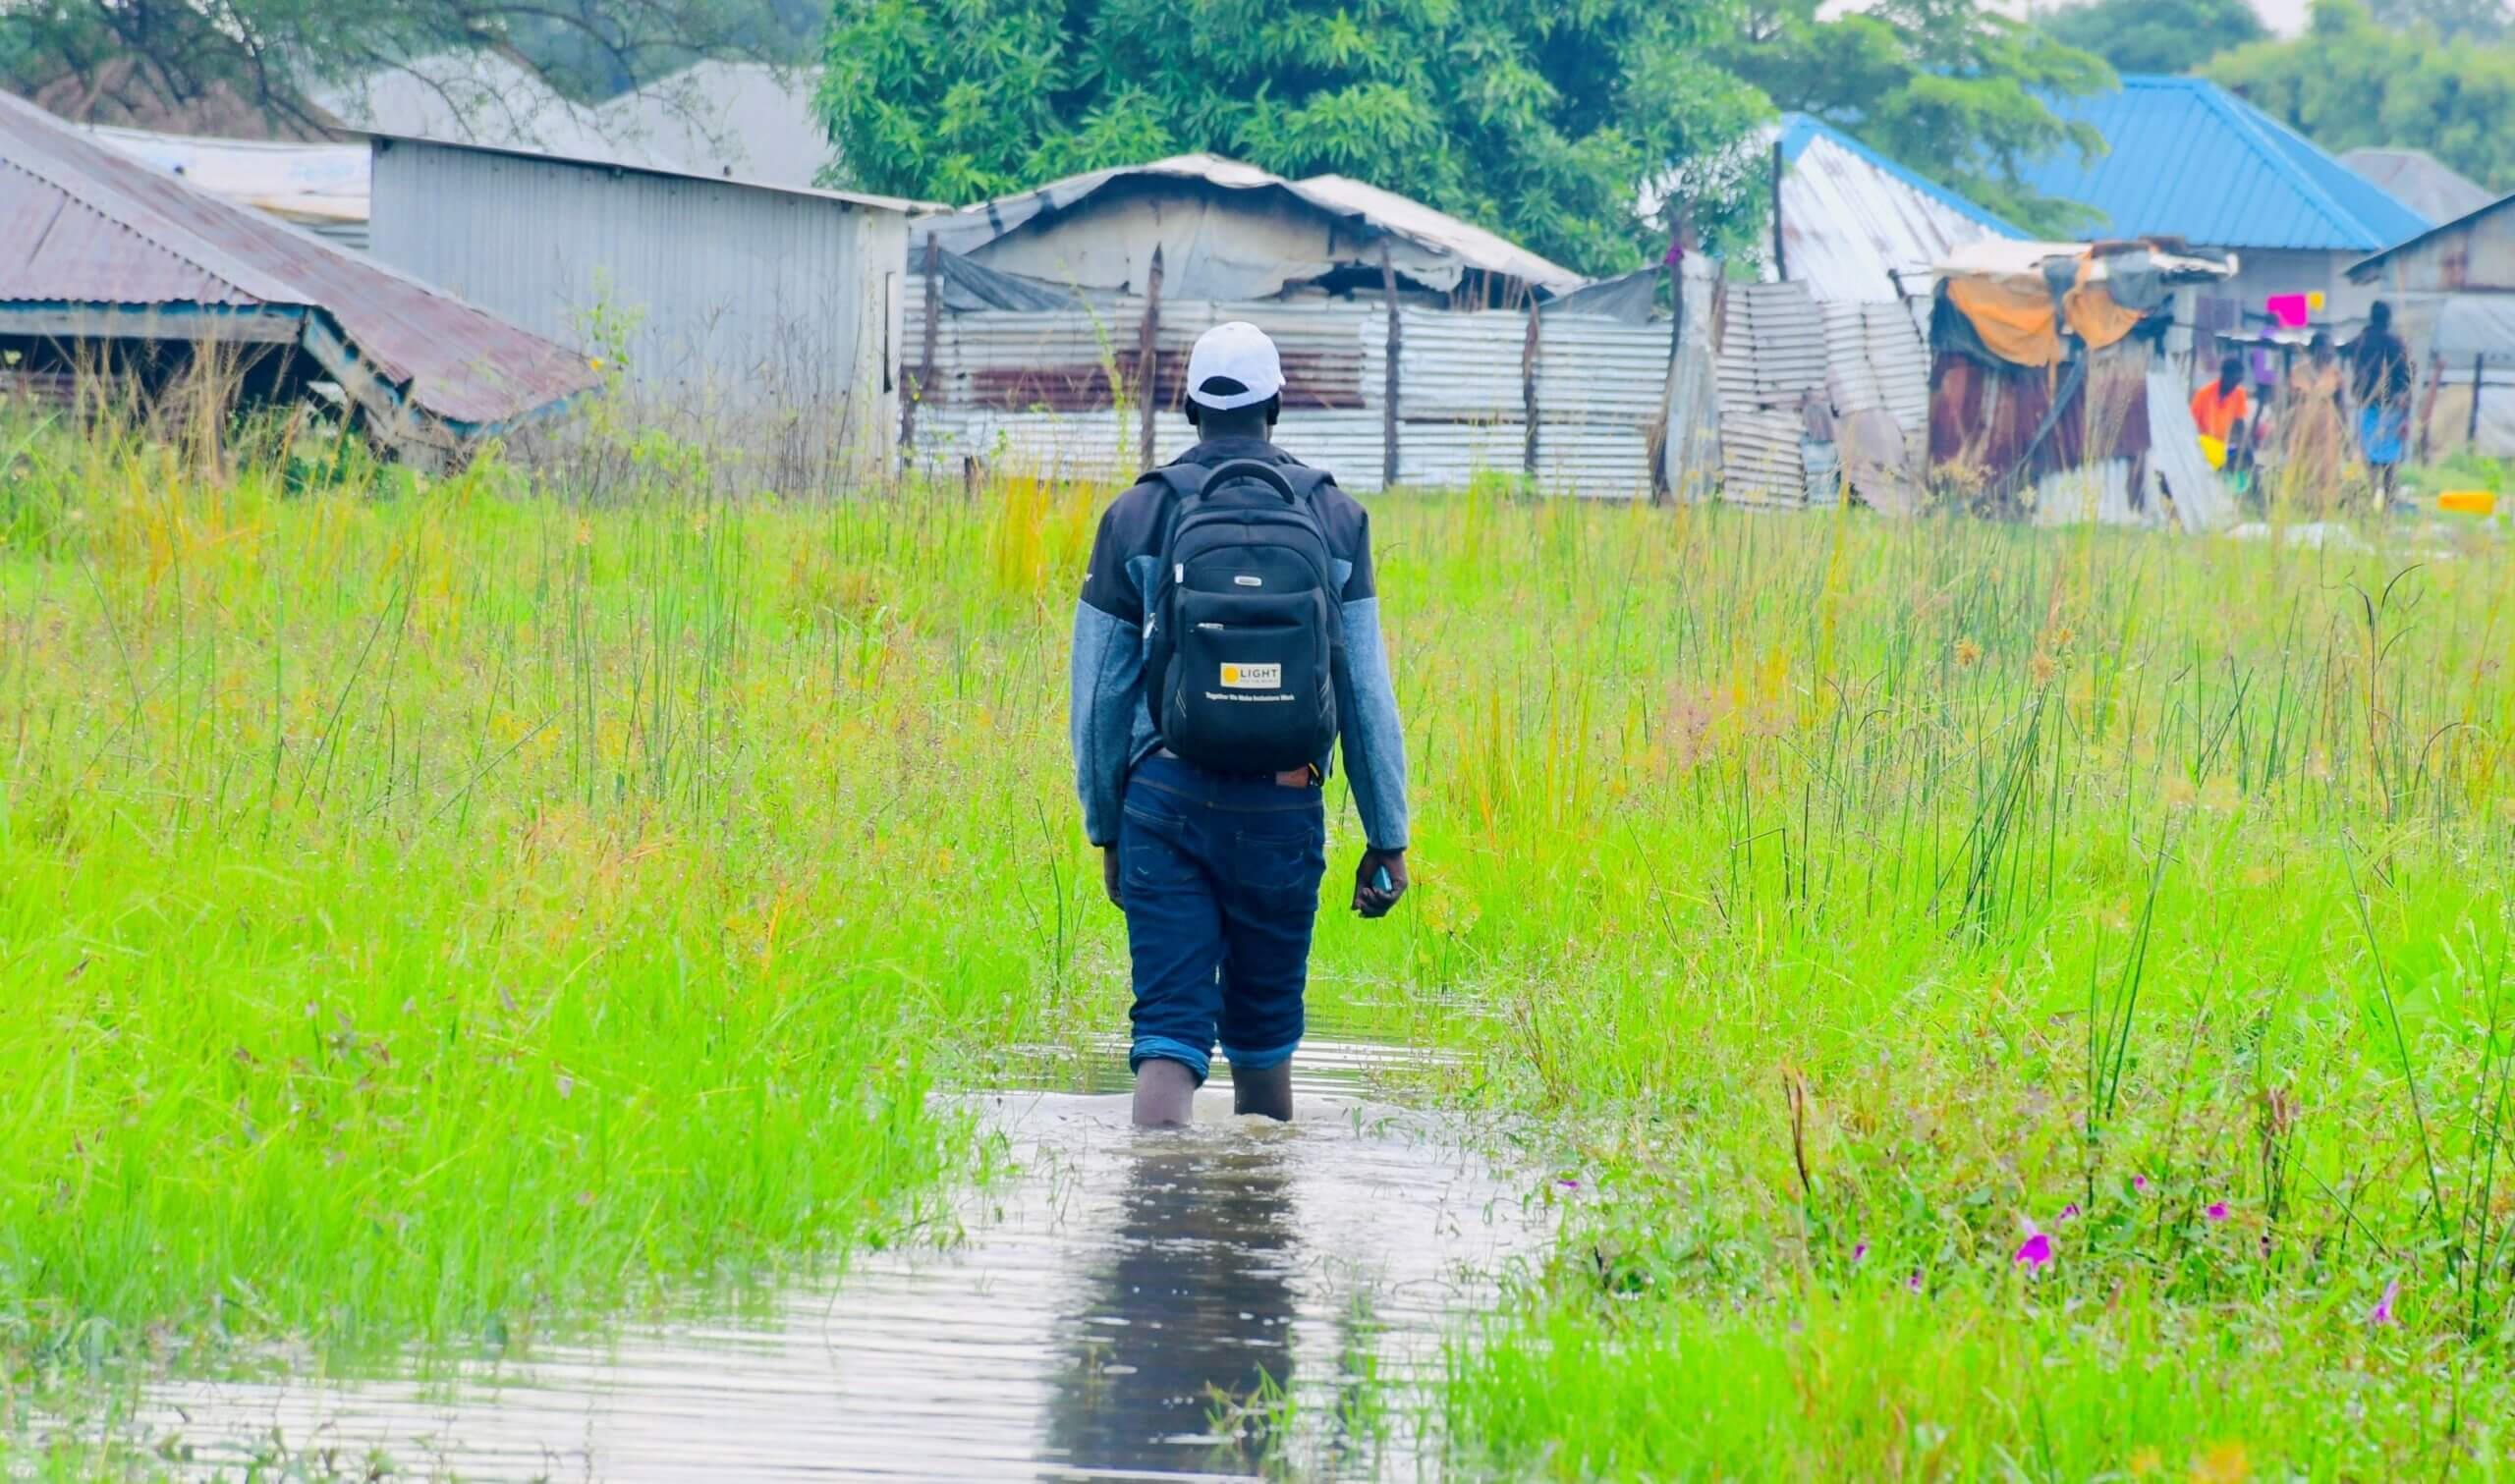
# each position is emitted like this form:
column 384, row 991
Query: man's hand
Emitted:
column 1370, row 897
column 1110, row 875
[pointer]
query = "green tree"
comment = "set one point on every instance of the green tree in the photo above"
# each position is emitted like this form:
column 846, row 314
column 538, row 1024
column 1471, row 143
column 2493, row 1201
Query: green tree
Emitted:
column 2351, row 82
column 1945, row 86
column 2170, row 36
column 250, row 64
column 2482, row 19
column 1531, row 117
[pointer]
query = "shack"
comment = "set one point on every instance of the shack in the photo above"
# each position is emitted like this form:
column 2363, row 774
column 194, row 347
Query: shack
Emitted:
column 1831, row 342
column 1230, row 230
column 757, row 317
column 118, row 266
column 2188, row 160
column 2051, row 397
column 1051, row 331
column 2453, row 293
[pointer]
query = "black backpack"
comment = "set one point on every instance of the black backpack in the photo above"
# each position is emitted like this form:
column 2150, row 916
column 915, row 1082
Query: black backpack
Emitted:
column 1246, row 628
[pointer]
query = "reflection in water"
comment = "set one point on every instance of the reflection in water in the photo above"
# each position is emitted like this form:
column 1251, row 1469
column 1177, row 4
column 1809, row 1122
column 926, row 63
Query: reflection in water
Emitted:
column 1110, row 1303
column 1191, row 1309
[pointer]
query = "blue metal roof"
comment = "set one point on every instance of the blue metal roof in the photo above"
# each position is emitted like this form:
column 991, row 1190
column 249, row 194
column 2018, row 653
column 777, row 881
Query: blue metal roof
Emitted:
column 2189, row 159
column 1797, row 130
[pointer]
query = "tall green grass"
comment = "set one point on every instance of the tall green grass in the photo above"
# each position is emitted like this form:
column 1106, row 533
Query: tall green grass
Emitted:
column 442, row 910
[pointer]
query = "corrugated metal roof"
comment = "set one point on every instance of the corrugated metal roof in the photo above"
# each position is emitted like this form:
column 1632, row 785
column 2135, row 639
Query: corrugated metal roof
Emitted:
column 2189, row 159
column 746, row 119
column 2420, row 181
column 2474, row 251
column 972, row 227
column 477, row 97
column 665, row 172
column 1853, row 219
column 299, row 183
column 107, row 230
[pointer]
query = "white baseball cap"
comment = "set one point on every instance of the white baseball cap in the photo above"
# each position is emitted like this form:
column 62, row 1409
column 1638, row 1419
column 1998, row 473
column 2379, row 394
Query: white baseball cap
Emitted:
column 1238, row 352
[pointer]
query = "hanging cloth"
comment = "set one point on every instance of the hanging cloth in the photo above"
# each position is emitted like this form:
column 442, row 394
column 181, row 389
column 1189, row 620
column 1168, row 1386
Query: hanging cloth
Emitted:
column 2012, row 314
column 2093, row 314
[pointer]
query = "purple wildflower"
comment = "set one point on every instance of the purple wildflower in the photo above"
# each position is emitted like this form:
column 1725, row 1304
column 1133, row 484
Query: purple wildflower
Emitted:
column 2035, row 1252
column 1914, row 1281
column 2381, row 1315
column 2217, row 1211
column 2069, row 1212
column 2140, row 1185
column 1860, row 1253
column 1568, row 1183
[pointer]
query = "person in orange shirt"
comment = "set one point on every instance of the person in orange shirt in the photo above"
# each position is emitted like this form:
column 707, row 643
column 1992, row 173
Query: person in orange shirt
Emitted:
column 2224, row 410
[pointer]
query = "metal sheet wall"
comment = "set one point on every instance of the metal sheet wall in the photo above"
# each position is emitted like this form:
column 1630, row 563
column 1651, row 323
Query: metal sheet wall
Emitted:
column 724, row 302
column 1035, row 391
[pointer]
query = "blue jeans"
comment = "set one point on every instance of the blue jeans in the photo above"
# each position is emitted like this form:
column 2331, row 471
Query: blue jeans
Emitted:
column 1220, row 880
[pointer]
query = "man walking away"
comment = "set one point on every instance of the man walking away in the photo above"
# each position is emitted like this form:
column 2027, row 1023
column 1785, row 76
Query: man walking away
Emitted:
column 1228, row 636
column 2379, row 382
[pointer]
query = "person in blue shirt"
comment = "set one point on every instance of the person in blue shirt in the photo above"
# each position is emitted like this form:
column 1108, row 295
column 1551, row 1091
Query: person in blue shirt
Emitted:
column 1218, row 873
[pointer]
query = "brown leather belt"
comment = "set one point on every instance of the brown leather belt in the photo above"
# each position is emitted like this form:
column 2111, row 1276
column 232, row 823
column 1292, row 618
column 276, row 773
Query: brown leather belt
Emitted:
column 1304, row 777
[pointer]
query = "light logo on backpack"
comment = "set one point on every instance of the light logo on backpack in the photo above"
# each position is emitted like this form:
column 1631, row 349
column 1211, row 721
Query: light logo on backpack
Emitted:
column 1252, row 677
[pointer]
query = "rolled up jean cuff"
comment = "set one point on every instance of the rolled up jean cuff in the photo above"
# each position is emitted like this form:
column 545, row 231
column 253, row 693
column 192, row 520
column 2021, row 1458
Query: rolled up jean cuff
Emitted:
column 1165, row 1049
column 1259, row 1061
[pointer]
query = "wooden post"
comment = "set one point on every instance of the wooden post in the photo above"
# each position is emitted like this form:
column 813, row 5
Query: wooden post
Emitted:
column 1148, row 353
column 926, row 361
column 1780, row 265
column 1676, row 346
column 2470, row 434
column 1388, row 396
column 2427, row 401
column 1527, row 386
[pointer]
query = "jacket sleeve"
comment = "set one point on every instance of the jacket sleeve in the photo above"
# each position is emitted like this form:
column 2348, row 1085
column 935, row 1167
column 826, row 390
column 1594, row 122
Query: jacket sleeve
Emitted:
column 1107, row 677
column 1374, row 743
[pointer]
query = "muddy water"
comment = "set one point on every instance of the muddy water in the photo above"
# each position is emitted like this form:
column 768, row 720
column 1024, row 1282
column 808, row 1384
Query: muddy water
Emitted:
column 1117, row 1310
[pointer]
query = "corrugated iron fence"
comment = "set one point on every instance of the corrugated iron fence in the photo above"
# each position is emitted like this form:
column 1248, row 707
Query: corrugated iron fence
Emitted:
column 1061, row 392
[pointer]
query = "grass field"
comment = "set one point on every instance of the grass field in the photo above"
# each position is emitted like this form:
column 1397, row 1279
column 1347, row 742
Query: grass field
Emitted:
column 2011, row 1004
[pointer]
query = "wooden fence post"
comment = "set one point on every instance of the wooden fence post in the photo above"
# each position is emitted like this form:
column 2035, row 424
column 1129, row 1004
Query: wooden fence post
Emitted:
column 1659, row 486
column 1780, row 266
column 2470, row 434
column 2428, row 402
column 926, row 361
column 1388, row 398
column 1528, row 387
column 1148, row 353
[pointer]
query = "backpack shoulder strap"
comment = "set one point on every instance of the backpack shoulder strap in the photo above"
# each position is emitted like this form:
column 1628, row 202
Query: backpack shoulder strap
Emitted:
column 1180, row 479
column 1306, row 481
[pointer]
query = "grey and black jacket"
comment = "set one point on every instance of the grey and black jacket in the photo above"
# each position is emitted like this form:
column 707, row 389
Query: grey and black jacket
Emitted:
column 1111, row 725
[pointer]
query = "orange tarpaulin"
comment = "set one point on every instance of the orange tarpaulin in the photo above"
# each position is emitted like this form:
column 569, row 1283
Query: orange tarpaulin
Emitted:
column 2012, row 314
column 2099, row 320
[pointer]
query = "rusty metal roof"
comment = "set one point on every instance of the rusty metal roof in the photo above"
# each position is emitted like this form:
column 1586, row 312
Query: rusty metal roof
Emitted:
column 83, row 226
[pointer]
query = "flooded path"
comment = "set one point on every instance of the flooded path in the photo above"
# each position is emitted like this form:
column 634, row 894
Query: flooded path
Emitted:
column 1122, row 1308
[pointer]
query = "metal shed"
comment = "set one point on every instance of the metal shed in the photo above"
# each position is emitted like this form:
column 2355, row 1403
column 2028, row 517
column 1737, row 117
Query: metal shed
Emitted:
column 101, row 252
column 759, row 316
column 1231, row 231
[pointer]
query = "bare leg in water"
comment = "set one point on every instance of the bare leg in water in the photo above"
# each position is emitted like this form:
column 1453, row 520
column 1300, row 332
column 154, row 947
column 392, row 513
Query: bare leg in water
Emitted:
column 1165, row 1091
column 1268, row 1093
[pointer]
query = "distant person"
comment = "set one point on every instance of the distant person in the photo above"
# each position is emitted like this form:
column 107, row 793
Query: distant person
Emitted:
column 2223, row 409
column 1228, row 636
column 2313, row 441
column 2379, row 382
